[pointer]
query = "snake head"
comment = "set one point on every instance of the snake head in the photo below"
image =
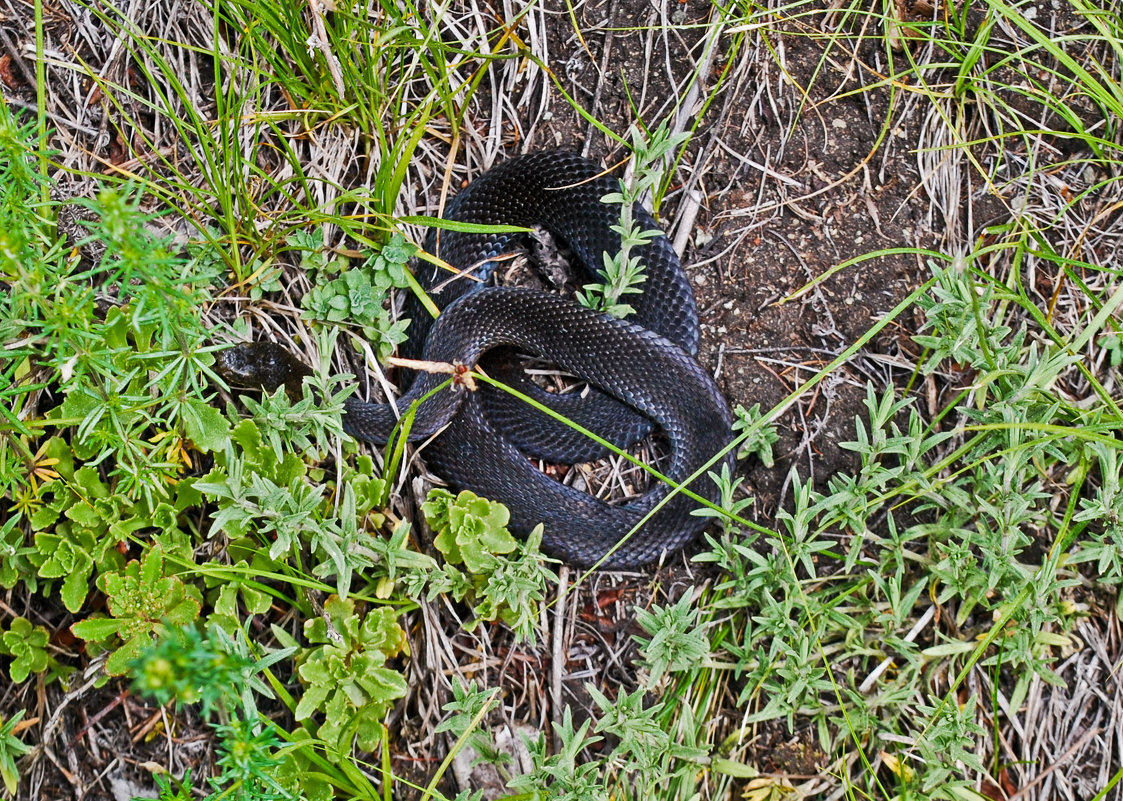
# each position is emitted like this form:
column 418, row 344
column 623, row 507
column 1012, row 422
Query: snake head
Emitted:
column 262, row 364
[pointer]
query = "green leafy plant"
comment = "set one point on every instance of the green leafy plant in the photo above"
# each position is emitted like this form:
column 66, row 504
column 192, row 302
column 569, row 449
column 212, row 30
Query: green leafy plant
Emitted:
column 623, row 271
column 470, row 530
column 239, row 589
column 262, row 493
column 730, row 507
column 211, row 668
column 759, row 439
column 249, row 755
column 675, row 641
column 169, row 789
column 216, row 671
column 73, row 522
column 27, row 644
column 563, row 774
column 466, row 710
column 347, row 678
column 14, row 562
column 1103, row 512
column 306, row 424
column 503, row 578
column 644, row 755
column 360, row 295
column 140, row 361
column 946, row 747
column 143, row 600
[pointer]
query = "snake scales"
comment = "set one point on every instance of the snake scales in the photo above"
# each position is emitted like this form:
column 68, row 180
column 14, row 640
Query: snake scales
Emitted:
column 643, row 369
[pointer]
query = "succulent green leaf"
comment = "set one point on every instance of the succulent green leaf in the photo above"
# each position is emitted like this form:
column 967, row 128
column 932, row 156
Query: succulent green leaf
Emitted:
column 204, row 425
column 347, row 677
column 75, row 587
column 118, row 662
column 312, row 699
column 470, row 530
column 96, row 629
column 27, row 643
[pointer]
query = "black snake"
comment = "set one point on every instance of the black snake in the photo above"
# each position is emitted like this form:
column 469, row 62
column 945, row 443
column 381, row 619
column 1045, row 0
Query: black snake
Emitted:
column 643, row 369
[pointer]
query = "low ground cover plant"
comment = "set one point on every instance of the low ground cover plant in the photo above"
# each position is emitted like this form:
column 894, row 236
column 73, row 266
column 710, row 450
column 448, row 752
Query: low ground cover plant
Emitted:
column 234, row 558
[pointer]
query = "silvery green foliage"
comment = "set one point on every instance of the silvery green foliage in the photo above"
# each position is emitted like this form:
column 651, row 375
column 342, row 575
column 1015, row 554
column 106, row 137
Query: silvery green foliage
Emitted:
column 624, row 272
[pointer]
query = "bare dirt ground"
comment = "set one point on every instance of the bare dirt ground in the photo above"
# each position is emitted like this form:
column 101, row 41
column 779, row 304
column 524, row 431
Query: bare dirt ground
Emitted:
column 798, row 165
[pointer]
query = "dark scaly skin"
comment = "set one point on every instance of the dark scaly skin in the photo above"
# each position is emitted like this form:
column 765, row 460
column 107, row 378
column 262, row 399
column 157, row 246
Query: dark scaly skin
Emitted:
column 562, row 193
column 641, row 368
column 646, row 366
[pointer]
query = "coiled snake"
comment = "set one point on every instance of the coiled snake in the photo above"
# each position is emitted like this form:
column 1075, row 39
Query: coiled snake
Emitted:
column 643, row 368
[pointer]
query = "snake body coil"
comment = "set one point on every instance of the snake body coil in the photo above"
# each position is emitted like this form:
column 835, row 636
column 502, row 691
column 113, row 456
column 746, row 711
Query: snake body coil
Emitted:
column 643, row 369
